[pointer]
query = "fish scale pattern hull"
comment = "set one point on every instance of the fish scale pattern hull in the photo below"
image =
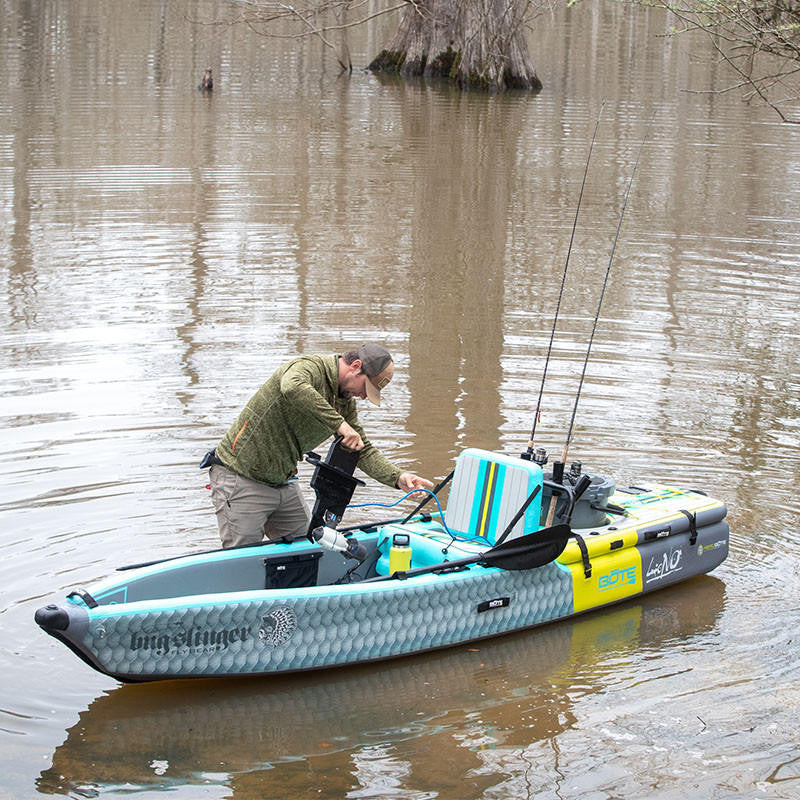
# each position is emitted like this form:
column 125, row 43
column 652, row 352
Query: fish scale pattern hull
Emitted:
column 298, row 631
column 210, row 614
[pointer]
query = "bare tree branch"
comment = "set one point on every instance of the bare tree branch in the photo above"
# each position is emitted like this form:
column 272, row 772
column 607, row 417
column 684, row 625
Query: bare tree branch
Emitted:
column 758, row 40
column 268, row 17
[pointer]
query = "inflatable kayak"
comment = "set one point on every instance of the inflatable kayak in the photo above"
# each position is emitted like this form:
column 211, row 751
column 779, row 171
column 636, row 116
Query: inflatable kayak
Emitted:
column 485, row 566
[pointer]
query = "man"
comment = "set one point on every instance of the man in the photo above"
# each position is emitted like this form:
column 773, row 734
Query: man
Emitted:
column 307, row 400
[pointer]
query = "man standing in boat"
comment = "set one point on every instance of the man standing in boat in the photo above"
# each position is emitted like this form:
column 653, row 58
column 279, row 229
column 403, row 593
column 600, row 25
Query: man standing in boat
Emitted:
column 253, row 485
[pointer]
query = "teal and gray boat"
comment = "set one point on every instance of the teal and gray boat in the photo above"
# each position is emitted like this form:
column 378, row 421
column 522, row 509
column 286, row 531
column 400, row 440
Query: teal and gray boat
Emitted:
column 486, row 566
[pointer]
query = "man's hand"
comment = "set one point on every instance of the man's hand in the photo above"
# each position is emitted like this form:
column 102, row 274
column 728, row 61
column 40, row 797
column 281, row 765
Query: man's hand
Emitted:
column 407, row 482
column 350, row 438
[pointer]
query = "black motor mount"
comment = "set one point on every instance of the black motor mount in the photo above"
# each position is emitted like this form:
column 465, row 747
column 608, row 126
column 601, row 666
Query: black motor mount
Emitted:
column 333, row 483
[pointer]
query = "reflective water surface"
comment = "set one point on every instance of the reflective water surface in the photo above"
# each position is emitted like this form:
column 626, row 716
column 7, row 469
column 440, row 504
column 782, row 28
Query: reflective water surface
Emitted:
column 162, row 250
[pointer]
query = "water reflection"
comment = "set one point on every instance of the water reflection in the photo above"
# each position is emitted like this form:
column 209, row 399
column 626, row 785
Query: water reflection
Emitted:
column 497, row 696
column 456, row 322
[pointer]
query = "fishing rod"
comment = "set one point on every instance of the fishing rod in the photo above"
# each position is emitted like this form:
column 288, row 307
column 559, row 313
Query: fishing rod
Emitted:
column 528, row 455
column 558, row 466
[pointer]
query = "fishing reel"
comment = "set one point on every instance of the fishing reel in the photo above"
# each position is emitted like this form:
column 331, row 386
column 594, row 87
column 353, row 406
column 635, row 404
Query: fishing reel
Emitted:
column 538, row 456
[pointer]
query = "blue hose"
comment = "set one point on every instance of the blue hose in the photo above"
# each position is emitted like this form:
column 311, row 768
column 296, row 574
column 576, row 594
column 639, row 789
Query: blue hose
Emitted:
column 452, row 536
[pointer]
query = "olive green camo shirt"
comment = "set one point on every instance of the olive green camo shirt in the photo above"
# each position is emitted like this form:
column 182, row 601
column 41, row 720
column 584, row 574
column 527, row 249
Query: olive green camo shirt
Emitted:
column 296, row 410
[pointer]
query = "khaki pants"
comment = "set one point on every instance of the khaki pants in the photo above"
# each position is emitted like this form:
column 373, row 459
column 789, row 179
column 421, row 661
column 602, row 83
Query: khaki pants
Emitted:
column 248, row 510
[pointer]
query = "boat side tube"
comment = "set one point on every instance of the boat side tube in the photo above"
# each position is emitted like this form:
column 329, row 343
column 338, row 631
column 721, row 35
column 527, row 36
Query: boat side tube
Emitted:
column 619, row 539
column 640, row 561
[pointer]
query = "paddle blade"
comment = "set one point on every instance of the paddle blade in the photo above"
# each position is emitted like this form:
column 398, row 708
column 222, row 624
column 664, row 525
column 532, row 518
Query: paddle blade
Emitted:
column 529, row 551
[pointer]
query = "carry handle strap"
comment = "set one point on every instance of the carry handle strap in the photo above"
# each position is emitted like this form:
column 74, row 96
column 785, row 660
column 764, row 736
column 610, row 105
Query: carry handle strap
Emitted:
column 692, row 526
column 83, row 595
column 587, row 564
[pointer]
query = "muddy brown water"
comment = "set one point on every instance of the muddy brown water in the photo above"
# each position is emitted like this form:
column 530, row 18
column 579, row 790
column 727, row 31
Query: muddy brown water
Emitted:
column 161, row 251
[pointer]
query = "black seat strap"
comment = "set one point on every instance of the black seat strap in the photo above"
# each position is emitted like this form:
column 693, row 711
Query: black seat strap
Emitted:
column 692, row 526
column 587, row 565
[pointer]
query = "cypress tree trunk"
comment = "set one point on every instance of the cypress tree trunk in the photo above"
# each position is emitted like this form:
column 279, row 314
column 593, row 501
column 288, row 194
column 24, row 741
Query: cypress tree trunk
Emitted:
column 474, row 43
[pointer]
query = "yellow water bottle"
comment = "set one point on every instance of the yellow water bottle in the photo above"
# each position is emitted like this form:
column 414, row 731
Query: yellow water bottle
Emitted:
column 399, row 553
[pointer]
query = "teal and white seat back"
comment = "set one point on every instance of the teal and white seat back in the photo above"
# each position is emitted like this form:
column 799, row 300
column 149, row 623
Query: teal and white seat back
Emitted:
column 488, row 490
